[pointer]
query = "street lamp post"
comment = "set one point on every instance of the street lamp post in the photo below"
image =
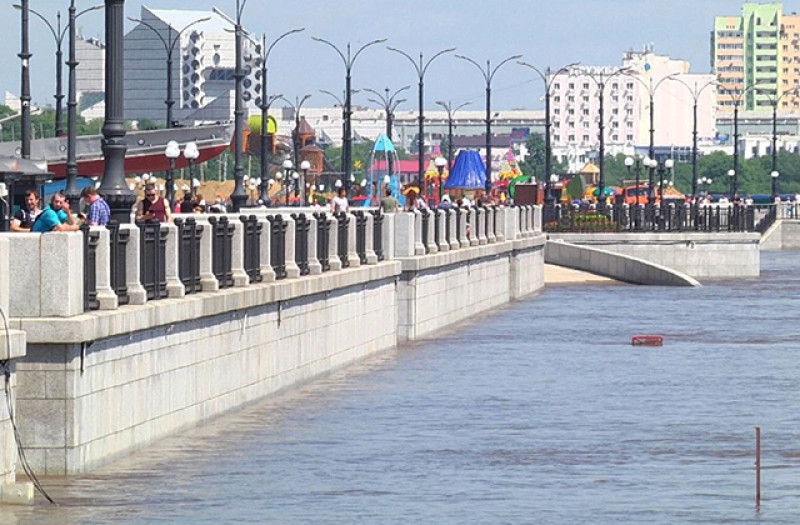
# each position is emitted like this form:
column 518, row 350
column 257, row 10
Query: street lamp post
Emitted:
column 191, row 152
column 348, row 59
column 601, row 78
column 548, row 78
column 731, row 175
column 264, row 102
column 651, row 91
column 695, row 91
column 296, row 107
column 488, row 75
column 287, row 166
column 71, row 191
column 169, row 48
column 25, row 91
column 304, row 167
column 440, row 163
column 421, row 68
column 239, row 195
column 113, row 188
column 389, row 104
column 173, row 151
column 340, row 102
column 637, row 168
column 451, row 113
column 775, row 191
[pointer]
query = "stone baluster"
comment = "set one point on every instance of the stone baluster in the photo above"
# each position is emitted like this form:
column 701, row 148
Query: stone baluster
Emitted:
column 314, row 266
column 333, row 244
column 441, row 218
column 352, row 253
column 404, row 238
column 472, row 218
column 463, row 241
column 175, row 287
column 372, row 258
column 490, row 237
column 453, row 239
column 136, row 292
column 292, row 270
column 208, row 281
column 267, row 272
column 106, row 297
column 240, row 277
column 480, row 226
column 388, row 236
column 419, row 248
column 501, row 225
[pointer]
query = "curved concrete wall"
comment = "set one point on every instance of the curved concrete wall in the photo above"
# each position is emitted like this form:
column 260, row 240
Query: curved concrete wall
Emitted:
column 614, row 265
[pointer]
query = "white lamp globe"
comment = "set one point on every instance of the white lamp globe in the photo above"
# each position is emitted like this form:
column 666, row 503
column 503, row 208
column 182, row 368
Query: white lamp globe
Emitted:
column 305, row 165
column 173, row 151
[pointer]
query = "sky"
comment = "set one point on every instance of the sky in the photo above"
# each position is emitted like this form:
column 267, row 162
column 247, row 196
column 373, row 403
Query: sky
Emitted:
column 545, row 32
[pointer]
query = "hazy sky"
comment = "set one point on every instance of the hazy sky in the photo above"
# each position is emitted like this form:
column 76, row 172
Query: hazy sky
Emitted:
column 546, row 32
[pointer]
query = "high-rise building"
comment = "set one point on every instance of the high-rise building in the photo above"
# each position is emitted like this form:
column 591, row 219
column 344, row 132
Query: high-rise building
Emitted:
column 757, row 58
column 202, row 71
column 90, row 72
column 575, row 106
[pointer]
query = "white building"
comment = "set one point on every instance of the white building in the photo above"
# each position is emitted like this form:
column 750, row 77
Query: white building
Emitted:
column 203, row 66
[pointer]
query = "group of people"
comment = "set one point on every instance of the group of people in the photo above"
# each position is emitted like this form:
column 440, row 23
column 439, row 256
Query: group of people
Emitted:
column 58, row 215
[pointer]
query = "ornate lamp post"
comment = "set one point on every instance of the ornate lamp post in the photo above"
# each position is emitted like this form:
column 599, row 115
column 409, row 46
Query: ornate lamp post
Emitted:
column 349, row 59
column 421, row 68
column 695, row 91
column 25, row 91
column 239, row 196
column 287, row 166
column 548, row 78
column 600, row 79
column 389, row 105
column 169, row 48
column 731, row 175
column 451, row 112
column 264, row 102
column 191, row 153
column 296, row 107
column 71, row 192
column 172, row 152
column 440, row 163
column 304, row 167
column 113, row 188
column 488, row 75
column 775, row 191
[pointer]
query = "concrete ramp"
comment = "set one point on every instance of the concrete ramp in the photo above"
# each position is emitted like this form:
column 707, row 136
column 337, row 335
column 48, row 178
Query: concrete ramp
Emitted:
column 614, row 265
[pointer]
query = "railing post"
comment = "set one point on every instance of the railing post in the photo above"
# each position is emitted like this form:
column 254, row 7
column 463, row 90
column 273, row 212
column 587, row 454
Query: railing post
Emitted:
column 314, row 265
column 174, row 286
column 361, row 236
column 387, row 235
column 440, row 233
column 333, row 245
column 352, row 230
column 377, row 234
column 189, row 233
column 490, row 236
column 277, row 245
column 251, row 247
column 323, row 227
column 208, row 280
column 500, row 222
column 90, row 241
column 136, row 292
column 106, row 298
column 419, row 247
column 369, row 252
column 471, row 229
column 300, row 255
column 265, row 231
column 452, row 228
column 480, row 225
column 290, row 235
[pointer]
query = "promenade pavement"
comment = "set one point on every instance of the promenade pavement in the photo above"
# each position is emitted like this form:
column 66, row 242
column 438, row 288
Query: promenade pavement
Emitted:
column 560, row 275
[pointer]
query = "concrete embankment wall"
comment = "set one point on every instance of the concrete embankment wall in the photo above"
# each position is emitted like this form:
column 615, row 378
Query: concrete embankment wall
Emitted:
column 614, row 265
column 783, row 235
column 12, row 349
column 699, row 255
column 100, row 384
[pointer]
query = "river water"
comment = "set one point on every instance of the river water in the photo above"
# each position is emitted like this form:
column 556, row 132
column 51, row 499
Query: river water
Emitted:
column 541, row 412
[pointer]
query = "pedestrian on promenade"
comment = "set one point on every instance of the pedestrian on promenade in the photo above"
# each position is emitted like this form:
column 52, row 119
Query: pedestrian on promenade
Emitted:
column 389, row 203
column 23, row 220
column 99, row 211
column 56, row 217
column 339, row 203
column 153, row 206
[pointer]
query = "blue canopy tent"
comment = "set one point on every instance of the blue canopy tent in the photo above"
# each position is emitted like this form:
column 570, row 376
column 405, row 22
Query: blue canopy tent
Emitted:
column 468, row 171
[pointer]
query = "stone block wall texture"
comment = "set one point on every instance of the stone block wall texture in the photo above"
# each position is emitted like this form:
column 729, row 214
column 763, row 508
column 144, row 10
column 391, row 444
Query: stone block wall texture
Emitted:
column 784, row 235
column 137, row 388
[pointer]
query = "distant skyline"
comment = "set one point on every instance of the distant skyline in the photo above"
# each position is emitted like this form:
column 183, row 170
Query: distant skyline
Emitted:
column 594, row 32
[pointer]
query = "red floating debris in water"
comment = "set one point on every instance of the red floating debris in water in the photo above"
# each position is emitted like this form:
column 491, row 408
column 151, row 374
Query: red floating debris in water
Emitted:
column 647, row 340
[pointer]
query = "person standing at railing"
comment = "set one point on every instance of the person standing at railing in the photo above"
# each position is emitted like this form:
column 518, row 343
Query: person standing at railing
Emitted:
column 99, row 211
column 153, row 206
column 389, row 203
column 339, row 203
column 56, row 217
column 23, row 220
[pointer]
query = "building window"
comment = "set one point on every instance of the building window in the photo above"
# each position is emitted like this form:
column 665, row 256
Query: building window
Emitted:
column 615, row 138
column 572, row 85
column 586, row 138
column 557, row 111
column 585, row 111
column 615, row 111
column 570, row 111
column 557, row 86
column 571, row 125
column 629, row 138
column 614, row 86
column 585, row 124
column 571, row 138
column 556, row 99
column 585, row 85
column 570, row 98
column 615, row 98
column 629, row 85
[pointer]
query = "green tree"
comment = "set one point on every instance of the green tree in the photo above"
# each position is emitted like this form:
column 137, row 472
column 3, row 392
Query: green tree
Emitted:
column 534, row 163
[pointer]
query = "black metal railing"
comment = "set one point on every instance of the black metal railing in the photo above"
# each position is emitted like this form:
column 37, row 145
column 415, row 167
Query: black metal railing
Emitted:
column 90, row 241
column 323, row 240
column 189, row 236
column 252, row 247
column 342, row 238
column 657, row 217
column 301, row 227
column 458, row 213
column 425, row 217
column 766, row 222
column 377, row 234
column 222, row 250
column 118, row 244
column 361, row 235
column 277, row 245
column 153, row 258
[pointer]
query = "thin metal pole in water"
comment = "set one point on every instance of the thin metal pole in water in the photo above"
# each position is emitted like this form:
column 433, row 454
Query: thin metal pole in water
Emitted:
column 758, row 467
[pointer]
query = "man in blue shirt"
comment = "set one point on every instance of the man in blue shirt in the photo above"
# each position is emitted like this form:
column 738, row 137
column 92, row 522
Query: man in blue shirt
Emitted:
column 56, row 217
column 99, row 211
